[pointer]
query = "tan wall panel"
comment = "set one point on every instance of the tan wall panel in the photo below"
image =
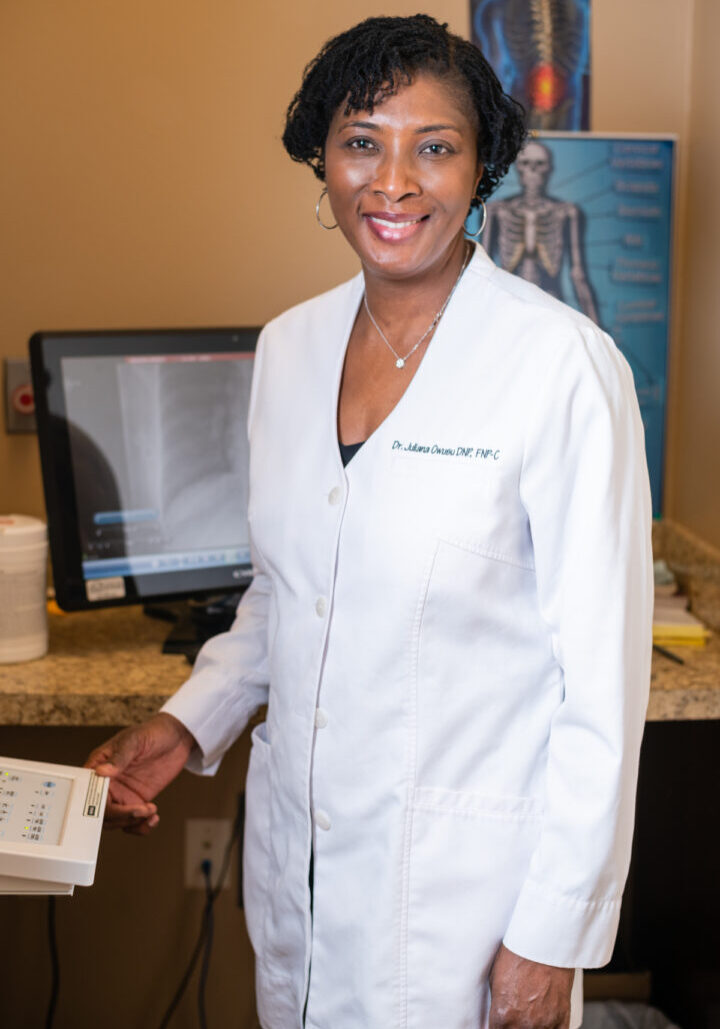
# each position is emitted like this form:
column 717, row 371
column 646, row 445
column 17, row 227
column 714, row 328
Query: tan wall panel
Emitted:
column 696, row 499
column 640, row 64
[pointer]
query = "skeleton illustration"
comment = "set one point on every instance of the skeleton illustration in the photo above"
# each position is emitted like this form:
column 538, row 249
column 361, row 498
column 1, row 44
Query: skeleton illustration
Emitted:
column 539, row 48
column 533, row 234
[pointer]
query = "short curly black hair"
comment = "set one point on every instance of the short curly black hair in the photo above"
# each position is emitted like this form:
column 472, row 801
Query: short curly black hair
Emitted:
column 373, row 60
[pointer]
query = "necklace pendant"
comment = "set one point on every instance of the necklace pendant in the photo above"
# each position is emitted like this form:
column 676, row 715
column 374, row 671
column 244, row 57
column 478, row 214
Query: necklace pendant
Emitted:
column 400, row 361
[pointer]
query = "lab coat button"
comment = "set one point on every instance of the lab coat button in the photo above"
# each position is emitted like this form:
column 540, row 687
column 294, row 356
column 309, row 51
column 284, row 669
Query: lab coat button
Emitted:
column 322, row 820
column 321, row 607
column 321, row 718
column 335, row 495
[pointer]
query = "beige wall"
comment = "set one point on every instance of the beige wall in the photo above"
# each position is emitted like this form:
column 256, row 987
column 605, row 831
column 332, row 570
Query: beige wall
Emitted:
column 143, row 183
column 696, row 464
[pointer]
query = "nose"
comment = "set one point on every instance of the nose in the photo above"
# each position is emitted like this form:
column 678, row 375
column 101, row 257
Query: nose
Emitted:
column 396, row 177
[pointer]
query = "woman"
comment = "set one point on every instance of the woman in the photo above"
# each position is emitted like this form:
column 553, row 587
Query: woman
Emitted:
column 452, row 630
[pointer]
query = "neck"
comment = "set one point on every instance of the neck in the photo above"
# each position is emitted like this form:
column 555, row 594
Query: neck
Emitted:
column 400, row 302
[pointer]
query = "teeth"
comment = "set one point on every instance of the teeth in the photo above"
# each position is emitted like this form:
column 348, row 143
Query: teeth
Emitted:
column 395, row 225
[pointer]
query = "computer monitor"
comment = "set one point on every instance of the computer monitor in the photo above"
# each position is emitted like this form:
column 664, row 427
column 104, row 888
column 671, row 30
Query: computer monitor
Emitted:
column 144, row 453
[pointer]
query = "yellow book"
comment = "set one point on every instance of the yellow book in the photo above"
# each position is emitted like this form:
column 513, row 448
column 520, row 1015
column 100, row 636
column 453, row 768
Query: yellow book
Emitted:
column 664, row 640
column 675, row 626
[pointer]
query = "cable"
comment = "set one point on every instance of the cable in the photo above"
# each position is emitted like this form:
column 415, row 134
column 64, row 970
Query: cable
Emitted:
column 185, row 979
column 206, row 926
column 209, row 927
column 54, row 963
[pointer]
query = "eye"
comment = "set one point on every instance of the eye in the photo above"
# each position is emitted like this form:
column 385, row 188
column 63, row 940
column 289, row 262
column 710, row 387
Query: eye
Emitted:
column 437, row 149
column 361, row 143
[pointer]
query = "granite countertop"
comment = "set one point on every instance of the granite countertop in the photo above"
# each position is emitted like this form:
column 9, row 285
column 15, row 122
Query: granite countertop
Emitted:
column 107, row 668
column 691, row 690
column 102, row 668
column 688, row 691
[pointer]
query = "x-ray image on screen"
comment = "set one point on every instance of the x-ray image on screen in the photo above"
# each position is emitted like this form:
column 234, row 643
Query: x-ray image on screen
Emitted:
column 159, row 450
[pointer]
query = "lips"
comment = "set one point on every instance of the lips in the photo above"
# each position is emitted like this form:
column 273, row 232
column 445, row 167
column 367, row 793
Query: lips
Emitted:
column 394, row 227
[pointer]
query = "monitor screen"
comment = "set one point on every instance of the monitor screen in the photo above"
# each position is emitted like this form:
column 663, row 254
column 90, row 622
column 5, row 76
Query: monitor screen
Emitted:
column 144, row 452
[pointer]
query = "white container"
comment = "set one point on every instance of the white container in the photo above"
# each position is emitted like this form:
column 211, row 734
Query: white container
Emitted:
column 23, row 581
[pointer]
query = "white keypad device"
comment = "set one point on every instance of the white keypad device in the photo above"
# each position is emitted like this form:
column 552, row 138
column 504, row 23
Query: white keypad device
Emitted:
column 50, row 824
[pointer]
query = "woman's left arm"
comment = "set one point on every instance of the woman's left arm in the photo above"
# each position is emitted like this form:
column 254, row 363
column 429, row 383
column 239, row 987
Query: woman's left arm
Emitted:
column 584, row 484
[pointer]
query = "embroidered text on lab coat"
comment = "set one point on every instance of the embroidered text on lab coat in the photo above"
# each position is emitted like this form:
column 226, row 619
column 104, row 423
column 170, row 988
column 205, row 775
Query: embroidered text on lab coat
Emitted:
column 476, row 453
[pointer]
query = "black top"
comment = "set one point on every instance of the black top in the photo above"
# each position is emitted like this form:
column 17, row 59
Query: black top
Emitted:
column 349, row 450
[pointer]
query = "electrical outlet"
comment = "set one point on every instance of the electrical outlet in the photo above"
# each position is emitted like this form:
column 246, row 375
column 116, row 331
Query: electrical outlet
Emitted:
column 205, row 838
column 19, row 399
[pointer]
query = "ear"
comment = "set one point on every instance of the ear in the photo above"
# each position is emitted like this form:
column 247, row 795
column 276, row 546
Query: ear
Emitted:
column 479, row 174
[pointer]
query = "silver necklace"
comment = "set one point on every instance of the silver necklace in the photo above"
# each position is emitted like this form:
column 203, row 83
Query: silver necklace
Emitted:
column 400, row 361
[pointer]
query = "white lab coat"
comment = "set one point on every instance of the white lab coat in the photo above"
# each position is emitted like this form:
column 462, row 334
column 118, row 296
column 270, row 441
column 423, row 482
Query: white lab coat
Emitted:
column 453, row 637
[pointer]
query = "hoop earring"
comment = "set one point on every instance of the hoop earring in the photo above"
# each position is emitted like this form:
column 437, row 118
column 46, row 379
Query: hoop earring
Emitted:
column 317, row 214
column 478, row 234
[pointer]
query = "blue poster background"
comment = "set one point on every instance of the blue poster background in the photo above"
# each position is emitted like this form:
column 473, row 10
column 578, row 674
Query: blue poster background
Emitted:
column 621, row 188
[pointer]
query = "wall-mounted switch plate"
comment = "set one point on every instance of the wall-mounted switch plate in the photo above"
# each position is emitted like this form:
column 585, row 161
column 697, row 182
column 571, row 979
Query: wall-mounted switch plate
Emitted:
column 19, row 399
column 205, row 838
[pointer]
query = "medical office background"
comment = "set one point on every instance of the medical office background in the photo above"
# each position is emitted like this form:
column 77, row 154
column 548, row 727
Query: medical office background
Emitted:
column 143, row 183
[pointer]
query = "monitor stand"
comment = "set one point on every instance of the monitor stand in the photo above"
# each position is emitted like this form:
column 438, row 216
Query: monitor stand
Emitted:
column 194, row 621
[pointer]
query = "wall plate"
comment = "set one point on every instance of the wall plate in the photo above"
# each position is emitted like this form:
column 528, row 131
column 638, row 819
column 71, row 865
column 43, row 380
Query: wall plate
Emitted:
column 19, row 398
column 206, row 838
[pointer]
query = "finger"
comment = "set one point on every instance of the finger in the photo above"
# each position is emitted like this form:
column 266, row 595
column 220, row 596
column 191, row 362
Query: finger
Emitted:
column 104, row 753
column 115, row 754
column 126, row 824
column 120, row 816
column 143, row 828
column 127, row 813
column 113, row 764
column 99, row 761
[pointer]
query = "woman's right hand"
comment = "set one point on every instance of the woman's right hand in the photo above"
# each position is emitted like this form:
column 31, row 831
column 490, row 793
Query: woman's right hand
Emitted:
column 140, row 761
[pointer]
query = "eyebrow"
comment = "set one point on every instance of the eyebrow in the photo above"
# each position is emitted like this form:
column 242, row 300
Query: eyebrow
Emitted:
column 437, row 128
column 420, row 131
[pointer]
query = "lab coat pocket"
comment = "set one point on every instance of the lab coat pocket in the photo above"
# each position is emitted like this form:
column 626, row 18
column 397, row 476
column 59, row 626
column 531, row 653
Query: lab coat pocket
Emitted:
column 256, row 849
column 469, row 855
column 487, row 684
column 458, row 497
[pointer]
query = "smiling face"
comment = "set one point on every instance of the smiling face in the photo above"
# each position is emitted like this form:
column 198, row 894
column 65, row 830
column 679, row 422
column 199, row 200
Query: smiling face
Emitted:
column 400, row 179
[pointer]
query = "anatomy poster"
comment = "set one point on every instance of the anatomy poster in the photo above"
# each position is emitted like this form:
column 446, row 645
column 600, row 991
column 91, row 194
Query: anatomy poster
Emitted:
column 540, row 50
column 588, row 218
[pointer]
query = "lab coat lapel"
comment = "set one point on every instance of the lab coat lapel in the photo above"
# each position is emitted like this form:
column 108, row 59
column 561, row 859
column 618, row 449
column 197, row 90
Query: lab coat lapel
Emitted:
column 436, row 365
